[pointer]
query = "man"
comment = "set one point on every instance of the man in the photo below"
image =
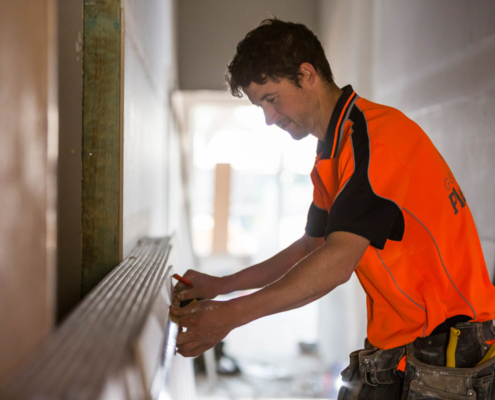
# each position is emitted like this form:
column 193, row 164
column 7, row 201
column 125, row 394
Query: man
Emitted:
column 387, row 207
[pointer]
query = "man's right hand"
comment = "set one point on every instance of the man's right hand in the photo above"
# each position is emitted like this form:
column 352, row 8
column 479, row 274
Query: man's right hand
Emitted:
column 204, row 286
column 255, row 277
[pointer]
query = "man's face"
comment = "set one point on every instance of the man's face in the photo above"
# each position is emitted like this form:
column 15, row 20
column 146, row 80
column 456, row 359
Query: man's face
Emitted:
column 285, row 105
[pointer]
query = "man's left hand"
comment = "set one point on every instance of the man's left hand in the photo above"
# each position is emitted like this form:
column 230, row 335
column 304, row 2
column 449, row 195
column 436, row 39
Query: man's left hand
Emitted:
column 207, row 323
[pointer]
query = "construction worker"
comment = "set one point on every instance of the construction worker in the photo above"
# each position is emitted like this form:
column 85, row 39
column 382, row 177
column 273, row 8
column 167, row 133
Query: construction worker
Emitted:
column 387, row 207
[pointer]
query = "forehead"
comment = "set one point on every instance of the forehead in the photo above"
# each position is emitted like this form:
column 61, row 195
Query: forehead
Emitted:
column 256, row 91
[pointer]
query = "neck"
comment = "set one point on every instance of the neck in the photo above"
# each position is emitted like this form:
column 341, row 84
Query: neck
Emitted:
column 327, row 100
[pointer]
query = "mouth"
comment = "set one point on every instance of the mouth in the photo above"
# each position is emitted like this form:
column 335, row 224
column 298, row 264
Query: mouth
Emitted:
column 284, row 125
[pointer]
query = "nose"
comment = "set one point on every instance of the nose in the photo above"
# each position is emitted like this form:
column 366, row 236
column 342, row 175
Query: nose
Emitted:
column 270, row 115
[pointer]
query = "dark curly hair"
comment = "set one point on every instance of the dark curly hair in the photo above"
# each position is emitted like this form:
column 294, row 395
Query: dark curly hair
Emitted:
column 274, row 50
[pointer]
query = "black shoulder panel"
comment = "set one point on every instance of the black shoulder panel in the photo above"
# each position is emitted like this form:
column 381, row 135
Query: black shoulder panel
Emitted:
column 357, row 209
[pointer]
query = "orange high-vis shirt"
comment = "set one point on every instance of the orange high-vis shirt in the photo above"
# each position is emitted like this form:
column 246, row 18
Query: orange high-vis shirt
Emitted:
column 379, row 176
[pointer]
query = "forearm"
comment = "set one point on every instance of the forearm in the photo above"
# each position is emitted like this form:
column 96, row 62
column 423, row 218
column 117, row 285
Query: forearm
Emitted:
column 269, row 271
column 313, row 277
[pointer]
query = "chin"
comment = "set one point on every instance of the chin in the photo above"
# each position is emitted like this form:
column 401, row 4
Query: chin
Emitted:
column 298, row 135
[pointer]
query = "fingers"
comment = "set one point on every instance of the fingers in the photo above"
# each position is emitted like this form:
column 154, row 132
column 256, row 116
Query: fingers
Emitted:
column 178, row 311
column 190, row 274
column 185, row 314
column 187, row 294
column 192, row 349
column 188, row 344
column 175, row 301
column 182, row 311
column 185, row 337
column 187, row 350
column 179, row 287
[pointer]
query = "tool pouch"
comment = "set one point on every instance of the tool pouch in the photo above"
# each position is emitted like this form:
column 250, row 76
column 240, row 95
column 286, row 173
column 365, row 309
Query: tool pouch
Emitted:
column 471, row 346
column 351, row 382
column 425, row 382
column 378, row 367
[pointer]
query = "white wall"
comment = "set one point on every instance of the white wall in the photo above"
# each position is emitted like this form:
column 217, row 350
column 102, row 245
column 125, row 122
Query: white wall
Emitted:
column 153, row 191
column 154, row 195
column 435, row 61
column 209, row 31
column 149, row 72
column 440, row 70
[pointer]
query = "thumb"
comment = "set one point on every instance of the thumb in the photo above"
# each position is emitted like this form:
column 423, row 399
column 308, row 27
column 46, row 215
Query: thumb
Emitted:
column 187, row 294
column 178, row 311
column 182, row 311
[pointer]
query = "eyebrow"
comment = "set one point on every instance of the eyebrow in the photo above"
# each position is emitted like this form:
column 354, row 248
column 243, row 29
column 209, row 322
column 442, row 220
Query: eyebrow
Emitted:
column 265, row 96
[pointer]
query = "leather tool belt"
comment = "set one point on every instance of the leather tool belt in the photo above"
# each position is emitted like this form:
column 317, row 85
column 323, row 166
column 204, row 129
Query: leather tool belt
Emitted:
column 423, row 381
column 377, row 367
column 426, row 376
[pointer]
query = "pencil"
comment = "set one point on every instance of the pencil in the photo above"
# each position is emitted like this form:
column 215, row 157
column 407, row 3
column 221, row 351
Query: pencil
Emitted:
column 182, row 280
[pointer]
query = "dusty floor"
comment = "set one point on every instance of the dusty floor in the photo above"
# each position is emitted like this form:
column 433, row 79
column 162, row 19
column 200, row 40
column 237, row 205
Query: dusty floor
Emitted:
column 272, row 364
column 307, row 383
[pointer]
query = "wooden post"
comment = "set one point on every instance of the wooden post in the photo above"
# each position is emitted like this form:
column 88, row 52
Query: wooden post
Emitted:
column 221, row 208
column 103, row 40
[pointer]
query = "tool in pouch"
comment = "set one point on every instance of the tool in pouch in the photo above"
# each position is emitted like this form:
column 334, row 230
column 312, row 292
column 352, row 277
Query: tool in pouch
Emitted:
column 456, row 380
column 454, row 337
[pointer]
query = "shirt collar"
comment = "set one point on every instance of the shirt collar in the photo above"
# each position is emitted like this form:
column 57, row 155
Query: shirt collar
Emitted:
column 330, row 147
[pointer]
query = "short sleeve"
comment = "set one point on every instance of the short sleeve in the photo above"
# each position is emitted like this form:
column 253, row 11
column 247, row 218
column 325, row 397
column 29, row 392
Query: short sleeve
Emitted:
column 317, row 221
column 372, row 189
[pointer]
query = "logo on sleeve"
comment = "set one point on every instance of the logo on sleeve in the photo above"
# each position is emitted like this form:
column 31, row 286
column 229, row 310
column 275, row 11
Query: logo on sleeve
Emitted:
column 456, row 197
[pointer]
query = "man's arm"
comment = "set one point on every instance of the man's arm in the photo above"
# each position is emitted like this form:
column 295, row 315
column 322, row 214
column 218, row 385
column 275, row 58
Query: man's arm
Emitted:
column 331, row 265
column 257, row 276
column 312, row 278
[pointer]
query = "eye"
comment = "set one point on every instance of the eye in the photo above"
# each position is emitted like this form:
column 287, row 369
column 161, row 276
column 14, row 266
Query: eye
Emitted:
column 271, row 101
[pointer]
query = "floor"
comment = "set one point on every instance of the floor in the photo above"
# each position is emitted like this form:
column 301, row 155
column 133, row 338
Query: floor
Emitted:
column 308, row 383
column 272, row 364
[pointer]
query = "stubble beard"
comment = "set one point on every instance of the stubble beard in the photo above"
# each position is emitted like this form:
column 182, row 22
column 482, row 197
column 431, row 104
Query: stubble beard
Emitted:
column 300, row 133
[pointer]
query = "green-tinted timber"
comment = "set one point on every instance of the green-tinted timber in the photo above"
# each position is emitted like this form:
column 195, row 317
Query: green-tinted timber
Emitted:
column 102, row 142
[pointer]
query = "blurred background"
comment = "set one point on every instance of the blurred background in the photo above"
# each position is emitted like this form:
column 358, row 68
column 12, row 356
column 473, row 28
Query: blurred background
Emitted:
column 190, row 159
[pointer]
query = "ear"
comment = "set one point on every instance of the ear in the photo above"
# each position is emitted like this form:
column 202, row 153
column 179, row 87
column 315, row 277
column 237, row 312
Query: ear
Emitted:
column 308, row 74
